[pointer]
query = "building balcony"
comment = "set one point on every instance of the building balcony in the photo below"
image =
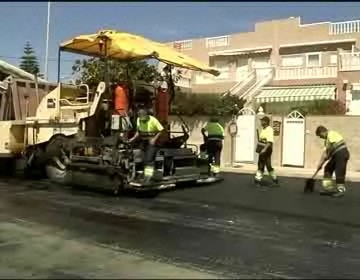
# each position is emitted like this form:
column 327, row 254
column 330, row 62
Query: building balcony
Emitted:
column 350, row 61
column 225, row 76
column 204, row 78
column 281, row 74
column 301, row 73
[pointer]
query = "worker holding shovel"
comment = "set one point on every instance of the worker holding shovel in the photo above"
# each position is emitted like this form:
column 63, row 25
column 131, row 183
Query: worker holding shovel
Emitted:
column 264, row 149
column 336, row 154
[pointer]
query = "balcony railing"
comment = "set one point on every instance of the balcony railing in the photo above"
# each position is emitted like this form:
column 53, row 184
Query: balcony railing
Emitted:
column 204, row 78
column 344, row 27
column 350, row 61
column 225, row 76
column 300, row 73
column 236, row 75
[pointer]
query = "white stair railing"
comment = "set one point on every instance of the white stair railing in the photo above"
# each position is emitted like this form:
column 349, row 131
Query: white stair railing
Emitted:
column 253, row 91
column 242, row 85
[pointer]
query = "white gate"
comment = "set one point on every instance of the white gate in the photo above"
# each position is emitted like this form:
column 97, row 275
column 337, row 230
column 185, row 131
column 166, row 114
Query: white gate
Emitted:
column 293, row 148
column 245, row 139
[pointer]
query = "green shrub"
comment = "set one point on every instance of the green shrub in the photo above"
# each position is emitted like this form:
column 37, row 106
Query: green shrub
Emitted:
column 206, row 104
column 318, row 107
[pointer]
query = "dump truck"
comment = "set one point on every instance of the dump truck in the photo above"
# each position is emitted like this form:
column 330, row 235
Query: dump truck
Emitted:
column 34, row 114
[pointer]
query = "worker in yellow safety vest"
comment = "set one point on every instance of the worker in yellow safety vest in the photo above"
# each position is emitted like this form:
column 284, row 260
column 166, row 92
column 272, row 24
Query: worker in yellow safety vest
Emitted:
column 214, row 145
column 337, row 156
column 264, row 148
column 149, row 129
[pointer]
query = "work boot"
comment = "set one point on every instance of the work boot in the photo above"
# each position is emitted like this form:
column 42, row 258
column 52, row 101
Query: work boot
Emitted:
column 340, row 191
column 274, row 178
column 215, row 170
column 258, row 179
column 148, row 175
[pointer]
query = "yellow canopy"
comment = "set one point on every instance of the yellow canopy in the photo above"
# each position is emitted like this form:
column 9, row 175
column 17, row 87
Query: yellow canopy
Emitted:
column 126, row 46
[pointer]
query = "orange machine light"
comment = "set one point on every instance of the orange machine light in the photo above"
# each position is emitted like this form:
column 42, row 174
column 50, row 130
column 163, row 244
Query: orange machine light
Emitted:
column 121, row 99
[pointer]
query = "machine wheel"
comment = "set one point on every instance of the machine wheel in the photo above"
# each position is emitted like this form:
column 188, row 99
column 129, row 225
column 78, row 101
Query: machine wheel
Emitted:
column 57, row 159
column 57, row 175
column 56, row 145
column 126, row 175
column 121, row 185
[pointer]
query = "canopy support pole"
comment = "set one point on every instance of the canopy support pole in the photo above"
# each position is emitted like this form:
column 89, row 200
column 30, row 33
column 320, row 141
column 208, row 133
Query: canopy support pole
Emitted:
column 108, row 96
column 58, row 66
column 171, row 86
column 106, row 62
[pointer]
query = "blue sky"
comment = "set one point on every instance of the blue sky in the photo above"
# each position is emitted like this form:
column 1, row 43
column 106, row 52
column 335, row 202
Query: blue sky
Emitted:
column 26, row 21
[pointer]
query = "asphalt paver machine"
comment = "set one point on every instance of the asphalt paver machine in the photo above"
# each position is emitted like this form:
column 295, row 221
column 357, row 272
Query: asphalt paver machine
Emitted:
column 99, row 153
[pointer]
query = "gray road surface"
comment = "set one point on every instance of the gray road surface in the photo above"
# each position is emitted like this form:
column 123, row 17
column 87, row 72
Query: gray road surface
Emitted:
column 226, row 230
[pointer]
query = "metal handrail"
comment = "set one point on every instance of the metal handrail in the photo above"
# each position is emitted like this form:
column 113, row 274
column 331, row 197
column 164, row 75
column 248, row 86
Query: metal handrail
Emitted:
column 249, row 78
column 246, row 94
column 86, row 98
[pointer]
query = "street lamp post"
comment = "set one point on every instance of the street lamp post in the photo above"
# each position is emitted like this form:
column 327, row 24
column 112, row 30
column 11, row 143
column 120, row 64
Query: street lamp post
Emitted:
column 47, row 41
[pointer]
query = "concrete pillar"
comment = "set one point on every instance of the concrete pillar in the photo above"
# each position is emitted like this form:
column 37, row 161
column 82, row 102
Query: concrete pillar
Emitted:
column 348, row 99
column 250, row 64
column 339, row 60
column 275, row 52
column 232, row 70
column 340, row 92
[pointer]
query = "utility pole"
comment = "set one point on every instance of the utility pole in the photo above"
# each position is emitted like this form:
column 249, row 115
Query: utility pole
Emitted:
column 47, row 41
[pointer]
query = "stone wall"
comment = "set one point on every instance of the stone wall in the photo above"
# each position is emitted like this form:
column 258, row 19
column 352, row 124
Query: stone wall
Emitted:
column 195, row 124
column 348, row 126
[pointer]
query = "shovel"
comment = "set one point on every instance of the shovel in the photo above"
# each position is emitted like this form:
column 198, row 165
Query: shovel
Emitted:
column 310, row 183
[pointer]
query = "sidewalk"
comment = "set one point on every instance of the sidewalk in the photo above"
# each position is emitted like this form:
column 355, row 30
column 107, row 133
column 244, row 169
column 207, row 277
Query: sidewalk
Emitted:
column 286, row 171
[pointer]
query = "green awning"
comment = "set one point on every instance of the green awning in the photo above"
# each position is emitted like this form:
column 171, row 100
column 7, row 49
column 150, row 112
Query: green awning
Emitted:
column 296, row 93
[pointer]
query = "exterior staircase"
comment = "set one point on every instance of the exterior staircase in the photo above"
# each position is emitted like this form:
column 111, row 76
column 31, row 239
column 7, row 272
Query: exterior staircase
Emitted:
column 243, row 85
column 251, row 85
column 255, row 89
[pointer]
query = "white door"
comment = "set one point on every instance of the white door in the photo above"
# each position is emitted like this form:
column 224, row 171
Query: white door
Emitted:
column 246, row 136
column 293, row 153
